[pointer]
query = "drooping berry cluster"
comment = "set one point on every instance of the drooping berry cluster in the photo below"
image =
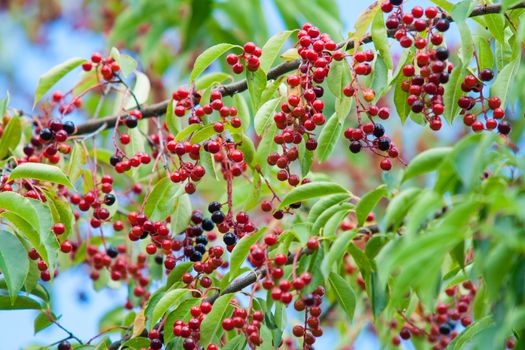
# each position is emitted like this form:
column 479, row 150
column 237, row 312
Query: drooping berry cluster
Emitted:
column 429, row 69
column 249, row 324
column 303, row 110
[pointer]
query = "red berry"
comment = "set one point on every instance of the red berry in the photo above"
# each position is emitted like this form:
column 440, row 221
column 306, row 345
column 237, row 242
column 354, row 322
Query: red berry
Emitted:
column 386, row 164
column 66, row 247
column 312, row 243
column 431, row 12
column 58, row 228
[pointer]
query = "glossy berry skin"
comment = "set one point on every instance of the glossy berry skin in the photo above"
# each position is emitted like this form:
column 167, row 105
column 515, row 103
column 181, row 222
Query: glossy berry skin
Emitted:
column 64, row 345
column 229, row 239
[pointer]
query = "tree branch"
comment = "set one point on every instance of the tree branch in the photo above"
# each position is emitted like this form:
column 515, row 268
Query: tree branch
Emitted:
column 252, row 277
column 158, row 109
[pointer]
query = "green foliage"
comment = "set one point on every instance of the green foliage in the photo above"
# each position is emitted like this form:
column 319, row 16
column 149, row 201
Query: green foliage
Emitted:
column 51, row 77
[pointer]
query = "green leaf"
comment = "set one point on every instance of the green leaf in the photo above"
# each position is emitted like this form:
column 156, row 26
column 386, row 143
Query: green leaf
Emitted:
column 400, row 101
column 272, row 48
column 306, row 158
column 21, row 206
column 426, row 161
column 244, row 111
column 33, row 221
column 211, row 79
column 324, row 203
column 42, row 322
column 485, row 55
column 175, row 275
column 380, row 39
column 470, row 332
column 136, row 343
column 238, row 343
column 344, row 293
column 42, row 172
column 242, row 249
column 361, row 259
column 4, row 103
column 169, row 299
column 326, row 221
column 211, row 326
column 368, row 202
column 127, row 63
column 206, row 58
column 141, row 91
column 444, row 4
column 76, row 160
column 182, row 213
column 208, row 162
column 204, row 133
column 21, row 303
column 311, row 190
column 470, row 157
column 336, row 77
column 504, row 80
column 14, row 263
column 453, row 92
column 256, row 82
column 398, row 207
column 11, row 137
column 265, row 147
column 264, row 116
column 425, row 207
column 496, row 26
column 506, row 4
column 328, row 138
column 184, row 133
column 246, row 146
column 363, row 22
column 160, row 203
column 335, row 254
column 462, row 10
column 181, row 312
column 172, row 121
column 62, row 212
column 51, row 77
column 467, row 44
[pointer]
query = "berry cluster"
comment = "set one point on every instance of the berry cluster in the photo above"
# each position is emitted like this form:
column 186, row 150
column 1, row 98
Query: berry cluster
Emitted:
column 190, row 331
column 475, row 84
column 303, row 110
column 441, row 326
column 99, row 199
column 49, row 142
column 250, row 58
column 185, row 101
column 45, row 275
column 429, row 69
column 107, row 67
column 250, row 325
column 311, row 329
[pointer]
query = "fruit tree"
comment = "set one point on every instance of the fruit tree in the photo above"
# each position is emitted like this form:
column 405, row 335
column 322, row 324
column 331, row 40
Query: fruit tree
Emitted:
column 280, row 190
